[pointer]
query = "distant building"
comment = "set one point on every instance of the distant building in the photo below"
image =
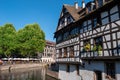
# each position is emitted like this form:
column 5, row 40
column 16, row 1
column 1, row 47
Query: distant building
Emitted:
column 88, row 41
column 49, row 52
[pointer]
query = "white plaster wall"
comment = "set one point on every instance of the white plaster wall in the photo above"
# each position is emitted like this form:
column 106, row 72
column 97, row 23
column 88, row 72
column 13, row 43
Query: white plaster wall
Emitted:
column 62, row 71
column 72, row 75
column 87, row 72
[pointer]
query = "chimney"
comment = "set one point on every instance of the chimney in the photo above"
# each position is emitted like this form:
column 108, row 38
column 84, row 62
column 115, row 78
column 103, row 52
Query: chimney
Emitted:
column 76, row 5
column 83, row 4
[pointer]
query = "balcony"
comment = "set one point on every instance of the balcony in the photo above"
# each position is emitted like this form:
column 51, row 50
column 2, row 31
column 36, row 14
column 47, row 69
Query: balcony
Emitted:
column 69, row 60
column 105, row 54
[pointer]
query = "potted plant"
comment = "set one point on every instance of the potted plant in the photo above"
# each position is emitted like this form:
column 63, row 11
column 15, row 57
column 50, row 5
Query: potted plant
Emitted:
column 99, row 50
column 94, row 48
column 87, row 47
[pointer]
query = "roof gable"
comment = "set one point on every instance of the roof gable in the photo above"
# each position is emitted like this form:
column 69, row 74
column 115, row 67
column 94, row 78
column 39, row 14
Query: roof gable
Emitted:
column 71, row 11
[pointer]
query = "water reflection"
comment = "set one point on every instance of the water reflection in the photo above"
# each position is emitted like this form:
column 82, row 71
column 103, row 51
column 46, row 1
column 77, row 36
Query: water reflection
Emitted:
column 29, row 74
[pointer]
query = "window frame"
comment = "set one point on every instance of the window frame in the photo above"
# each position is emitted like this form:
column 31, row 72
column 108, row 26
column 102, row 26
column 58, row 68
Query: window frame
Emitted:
column 110, row 67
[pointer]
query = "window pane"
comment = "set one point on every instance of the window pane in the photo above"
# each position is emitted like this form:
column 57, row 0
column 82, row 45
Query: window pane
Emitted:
column 104, row 14
column 105, row 21
column 114, row 17
column 90, row 27
column 81, row 30
column 94, row 22
column 100, row 3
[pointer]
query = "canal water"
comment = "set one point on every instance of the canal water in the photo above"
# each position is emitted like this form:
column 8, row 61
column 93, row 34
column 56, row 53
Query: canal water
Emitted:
column 29, row 74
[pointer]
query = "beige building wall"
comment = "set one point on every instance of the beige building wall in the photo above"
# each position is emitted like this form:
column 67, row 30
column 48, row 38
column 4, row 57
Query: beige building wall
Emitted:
column 49, row 52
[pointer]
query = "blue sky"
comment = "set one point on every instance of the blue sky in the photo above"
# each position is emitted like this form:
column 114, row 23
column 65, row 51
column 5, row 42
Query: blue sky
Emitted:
column 44, row 12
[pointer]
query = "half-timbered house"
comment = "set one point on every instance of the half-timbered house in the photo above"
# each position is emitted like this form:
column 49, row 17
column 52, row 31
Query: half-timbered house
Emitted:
column 88, row 41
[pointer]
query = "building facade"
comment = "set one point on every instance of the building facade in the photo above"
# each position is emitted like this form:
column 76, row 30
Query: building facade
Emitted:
column 88, row 41
column 49, row 54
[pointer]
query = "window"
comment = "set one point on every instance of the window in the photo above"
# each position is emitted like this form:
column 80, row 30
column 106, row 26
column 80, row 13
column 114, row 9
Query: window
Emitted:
column 81, row 30
column 89, row 9
column 60, row 52
column 74, row 32
column 100, row 3
column 59, row 38
column 110, row 16
column 86, row 45
column 105, row 21
column 85, row 29
column 84, row 25
column 65, row 52
column 90, row 27
column 65, row 36
column 68, row 68
column 94, row 22
column 98, row 43
column 71, row 51
column 69, row 20
column 93, row 6
column 110, row 70
column 62, row 22
column 114, row 17
column 64, row 11
column 114, row 14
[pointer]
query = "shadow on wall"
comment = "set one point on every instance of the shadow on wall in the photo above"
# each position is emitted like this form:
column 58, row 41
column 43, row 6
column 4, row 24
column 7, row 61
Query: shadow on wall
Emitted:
column 54, row 67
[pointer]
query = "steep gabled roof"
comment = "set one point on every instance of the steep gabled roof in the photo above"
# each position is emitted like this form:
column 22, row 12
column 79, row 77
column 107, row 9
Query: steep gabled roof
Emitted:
column 72, row 11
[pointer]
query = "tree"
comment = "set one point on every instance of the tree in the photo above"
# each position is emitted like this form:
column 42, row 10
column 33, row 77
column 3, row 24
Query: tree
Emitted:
column 31, row 40
column 1, row 43
column 7, row 40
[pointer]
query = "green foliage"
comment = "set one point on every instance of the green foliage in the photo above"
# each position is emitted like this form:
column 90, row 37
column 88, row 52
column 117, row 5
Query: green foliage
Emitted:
column 31, row 40
column 87, row 47
column 97, row 48
column 26, row 42
column 94, row 48
column 7, row 33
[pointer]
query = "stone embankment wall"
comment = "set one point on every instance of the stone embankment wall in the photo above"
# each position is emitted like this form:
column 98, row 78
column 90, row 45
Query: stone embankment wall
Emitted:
column 20, row 66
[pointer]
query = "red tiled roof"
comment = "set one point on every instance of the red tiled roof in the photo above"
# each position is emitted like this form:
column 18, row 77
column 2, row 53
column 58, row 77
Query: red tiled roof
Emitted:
column 50, row 42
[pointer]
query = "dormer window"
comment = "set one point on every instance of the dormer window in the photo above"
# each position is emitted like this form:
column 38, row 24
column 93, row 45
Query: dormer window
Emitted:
column 100, row 3
column 64, row 11
column 91, row 6
column 69, row 20
column 62, row 23
column 89, row 9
